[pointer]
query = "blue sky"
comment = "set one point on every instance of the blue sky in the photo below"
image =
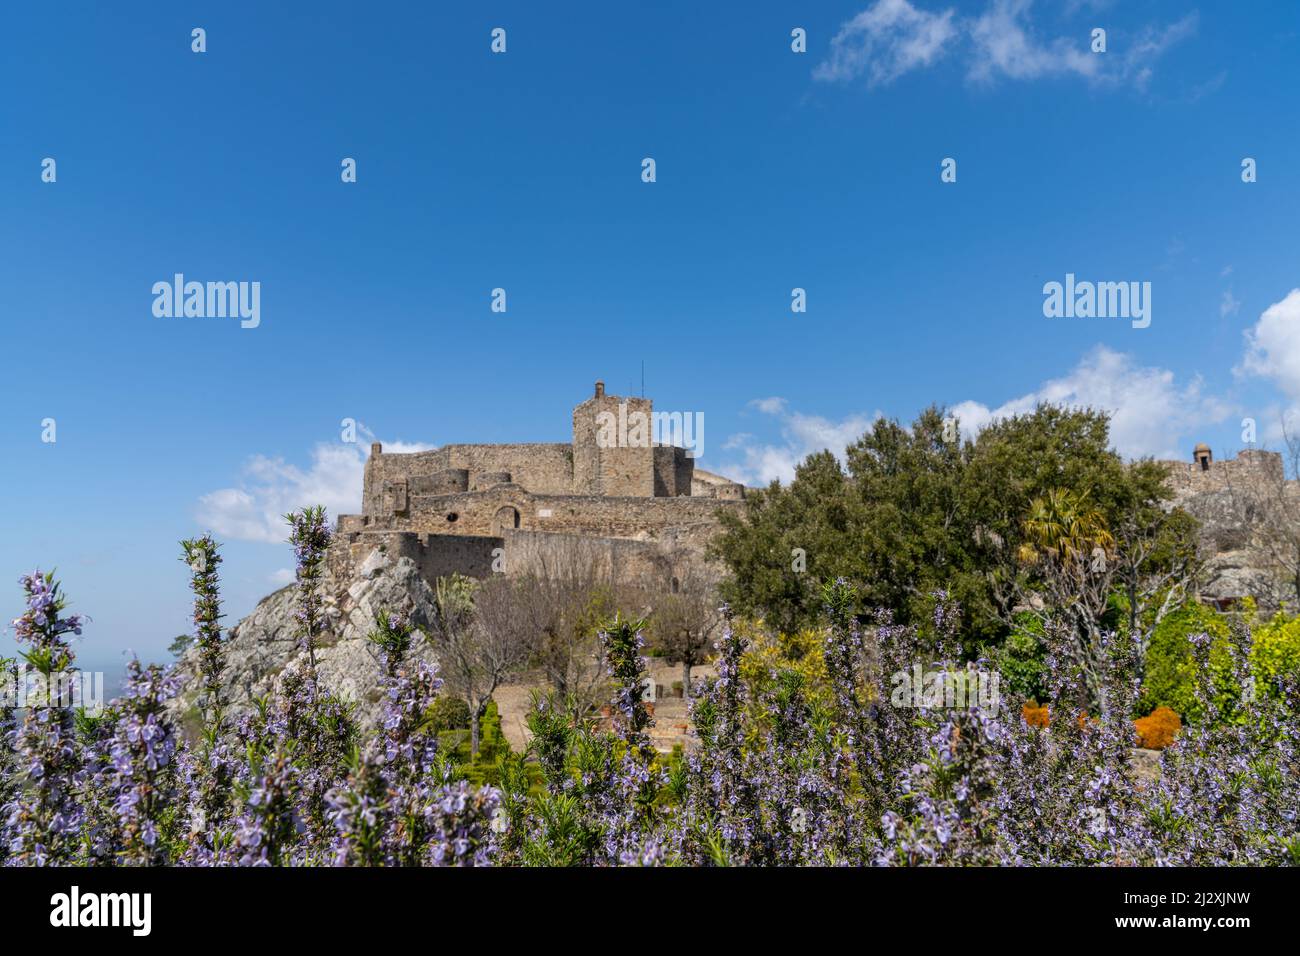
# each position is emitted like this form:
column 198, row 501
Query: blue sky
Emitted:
column 522, row 171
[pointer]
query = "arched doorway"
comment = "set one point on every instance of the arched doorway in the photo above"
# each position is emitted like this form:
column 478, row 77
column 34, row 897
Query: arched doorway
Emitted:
column 506, row 519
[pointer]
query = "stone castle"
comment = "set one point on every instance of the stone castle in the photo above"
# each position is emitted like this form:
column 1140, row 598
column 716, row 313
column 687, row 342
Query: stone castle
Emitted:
column 639, row 508
column 641, row 511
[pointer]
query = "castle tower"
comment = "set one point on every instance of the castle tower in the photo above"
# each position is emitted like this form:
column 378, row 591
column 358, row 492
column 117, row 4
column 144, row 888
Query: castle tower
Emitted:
column 1202, row 455
column 613, row 446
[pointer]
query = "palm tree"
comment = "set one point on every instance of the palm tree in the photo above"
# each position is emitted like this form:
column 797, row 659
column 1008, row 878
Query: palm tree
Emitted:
column 1065, row 528
column 1070, row 547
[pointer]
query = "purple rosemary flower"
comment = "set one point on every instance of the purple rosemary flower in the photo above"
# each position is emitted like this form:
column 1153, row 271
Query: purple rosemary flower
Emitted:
column 310, row 536
column 203, row 557
column 141, row 755
column 40, row 821
column 461, row 825
column 268, row 832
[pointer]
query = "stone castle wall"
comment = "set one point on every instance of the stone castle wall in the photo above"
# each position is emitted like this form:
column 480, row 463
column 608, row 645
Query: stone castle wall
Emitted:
column 642, row 563
column 508, row 507
column 648, row 563
column 1250, row 467
column 435, row 556
column 542, row 467
column 1230, row 499
column 455, row 508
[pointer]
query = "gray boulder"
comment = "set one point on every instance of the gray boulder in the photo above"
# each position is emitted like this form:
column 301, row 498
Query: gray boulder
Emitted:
column 261, row 645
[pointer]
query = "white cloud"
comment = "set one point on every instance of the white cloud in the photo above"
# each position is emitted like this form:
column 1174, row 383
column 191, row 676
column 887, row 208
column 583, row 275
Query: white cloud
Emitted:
column 1148, row 410
column 885, row 41
column 769, row 406
column 268, row 488
column 282, row 576
column 1005, row 47
column 893, row 37
column 1273, row 345
column 1230, row 305
column 801, row 436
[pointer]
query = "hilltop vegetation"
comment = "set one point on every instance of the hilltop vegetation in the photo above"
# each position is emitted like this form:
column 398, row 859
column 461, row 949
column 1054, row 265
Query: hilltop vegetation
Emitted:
column 843, row 723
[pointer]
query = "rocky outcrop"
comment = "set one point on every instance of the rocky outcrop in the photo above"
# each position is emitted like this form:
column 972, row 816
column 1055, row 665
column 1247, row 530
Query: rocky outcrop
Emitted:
column 1234, row 566
column 261, row 645
column 1248, row 510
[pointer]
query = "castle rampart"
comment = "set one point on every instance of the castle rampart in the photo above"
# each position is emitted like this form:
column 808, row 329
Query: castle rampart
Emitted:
column 1203, row 474
column 1234, row 501
column 448, row 509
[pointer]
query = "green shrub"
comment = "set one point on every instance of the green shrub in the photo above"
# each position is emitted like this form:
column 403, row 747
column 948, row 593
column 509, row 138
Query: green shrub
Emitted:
column 492, row 745
column 449, row 713
column 1170, row 666
column 1275, row 652
column 1170, row 674
column 1020, row 660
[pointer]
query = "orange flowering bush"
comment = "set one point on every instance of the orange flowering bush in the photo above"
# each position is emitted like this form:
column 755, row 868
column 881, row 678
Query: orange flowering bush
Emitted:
column 1157, row 730
column 1039, row 716
column 1034, row 715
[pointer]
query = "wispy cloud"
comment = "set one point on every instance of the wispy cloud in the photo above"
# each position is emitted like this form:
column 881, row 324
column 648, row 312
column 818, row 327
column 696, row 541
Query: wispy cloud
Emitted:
column 1150, row 414
column 1005, row 47
column 894, row 37
column 1137, row 62
column 268, row 488
column 1229, row 305
column 769, row 406
column 888, row 39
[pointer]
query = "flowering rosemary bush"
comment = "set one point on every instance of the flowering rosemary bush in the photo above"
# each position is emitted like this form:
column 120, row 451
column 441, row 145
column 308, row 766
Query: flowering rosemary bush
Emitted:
column 8, row 729
column 803, row 754
column 397, row 806
column 43, row 817
column 207, row 768
column 203, row 557
column 141, row 753
column 310, row 537
column 97, row 790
